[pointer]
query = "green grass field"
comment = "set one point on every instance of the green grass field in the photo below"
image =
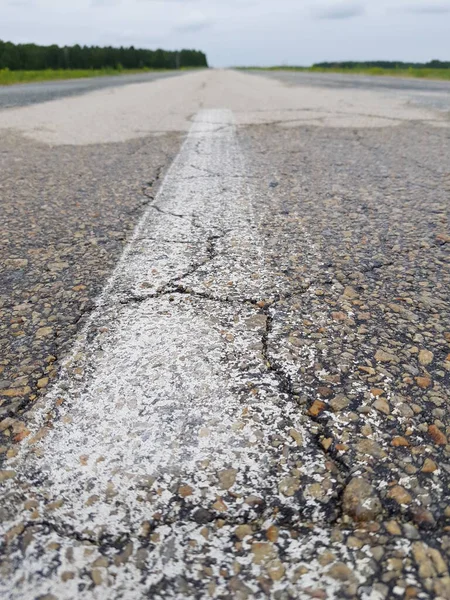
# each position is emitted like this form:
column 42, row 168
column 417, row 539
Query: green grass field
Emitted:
column 8, row 77
column 423, row 73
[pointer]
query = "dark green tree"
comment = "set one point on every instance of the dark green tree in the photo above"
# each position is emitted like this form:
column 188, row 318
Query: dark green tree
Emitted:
column 34, row 57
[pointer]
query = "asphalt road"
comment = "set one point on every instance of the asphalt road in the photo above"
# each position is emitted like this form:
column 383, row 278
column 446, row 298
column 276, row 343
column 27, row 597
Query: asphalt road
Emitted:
column 435, row 94
column 225, row 342
column 32, row 93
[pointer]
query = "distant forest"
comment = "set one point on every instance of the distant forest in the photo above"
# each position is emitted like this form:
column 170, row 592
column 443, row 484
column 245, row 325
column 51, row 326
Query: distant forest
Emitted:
column 383, row 64
column 31, row 57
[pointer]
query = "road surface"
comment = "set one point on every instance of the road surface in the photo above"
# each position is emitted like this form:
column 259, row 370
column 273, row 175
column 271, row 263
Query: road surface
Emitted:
column 31, row 93
column 434, row 93
column 226, row 342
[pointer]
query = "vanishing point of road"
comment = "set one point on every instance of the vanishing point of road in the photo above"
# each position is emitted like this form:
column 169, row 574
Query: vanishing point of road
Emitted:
column 225, row 338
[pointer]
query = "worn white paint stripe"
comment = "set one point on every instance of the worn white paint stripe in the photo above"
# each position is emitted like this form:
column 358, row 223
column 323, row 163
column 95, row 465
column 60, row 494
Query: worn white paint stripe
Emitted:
column 168, row 385
column 162, row 374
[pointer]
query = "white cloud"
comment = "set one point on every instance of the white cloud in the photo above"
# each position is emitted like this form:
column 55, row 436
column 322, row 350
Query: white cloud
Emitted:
column 193, row 23
column 21, row 3
column 339, row 10
column 101, row 3
column 432, row 9
column 239, row 32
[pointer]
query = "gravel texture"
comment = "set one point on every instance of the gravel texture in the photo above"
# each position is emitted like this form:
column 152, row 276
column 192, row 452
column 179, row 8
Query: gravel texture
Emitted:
column 305, row 266
column 365, row 348
column 67, row 215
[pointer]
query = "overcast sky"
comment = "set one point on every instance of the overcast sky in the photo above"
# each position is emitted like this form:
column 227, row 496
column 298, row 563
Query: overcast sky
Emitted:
column 242, row 32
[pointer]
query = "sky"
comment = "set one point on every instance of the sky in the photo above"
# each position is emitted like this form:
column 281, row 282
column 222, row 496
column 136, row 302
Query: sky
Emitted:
column 242, row 32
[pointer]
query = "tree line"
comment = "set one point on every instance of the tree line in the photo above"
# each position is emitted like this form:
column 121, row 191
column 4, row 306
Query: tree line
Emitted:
column 32, row 57
column 383, row 64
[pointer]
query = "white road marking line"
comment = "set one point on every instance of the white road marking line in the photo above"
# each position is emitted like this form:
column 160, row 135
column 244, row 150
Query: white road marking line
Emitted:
column 158, row 375
column 168, row 386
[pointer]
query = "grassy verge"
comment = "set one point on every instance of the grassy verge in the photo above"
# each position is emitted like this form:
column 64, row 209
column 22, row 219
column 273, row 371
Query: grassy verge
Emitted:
column 424, row 73
column 8, row 77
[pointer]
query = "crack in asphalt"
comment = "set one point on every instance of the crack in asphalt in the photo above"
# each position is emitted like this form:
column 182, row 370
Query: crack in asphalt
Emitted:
column 211, row 252
column 166, row 212
column 266, row 307
column 208, row 172
column 60, row 530
column 285, row 385
column 193, row 217
column 168, row 241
